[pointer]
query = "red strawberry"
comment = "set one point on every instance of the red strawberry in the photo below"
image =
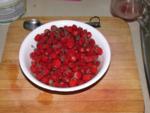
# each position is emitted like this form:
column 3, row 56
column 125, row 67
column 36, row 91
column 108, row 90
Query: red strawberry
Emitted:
column 89, row 35
column 90, row 58
column 92, row 42
column 56, row 84
column 56, row 63
column 53, row 55
column 45, row 59
column 99, row 50
column 45, row 80
column 70, row 43
column 33, row 68
column 87, row 77
column 94, row 69
column 52, row 35
column 73, row 58
column 74, row 27
column 45, row 71
column 63, row 84
column 39, row 76
column 37, row 37
column 78, row 75
column 75, row 33
column 73, row 82
column 81, row 49
column 54, row 28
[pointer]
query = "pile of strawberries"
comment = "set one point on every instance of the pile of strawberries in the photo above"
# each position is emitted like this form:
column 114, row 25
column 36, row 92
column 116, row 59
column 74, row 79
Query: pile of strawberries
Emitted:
column 65, row 56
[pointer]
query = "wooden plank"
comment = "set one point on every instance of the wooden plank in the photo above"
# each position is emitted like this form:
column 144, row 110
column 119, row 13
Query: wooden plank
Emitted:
column 118, row 92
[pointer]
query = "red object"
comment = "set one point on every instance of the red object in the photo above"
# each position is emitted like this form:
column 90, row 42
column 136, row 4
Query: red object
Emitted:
column 65, row 56
column 73, row 82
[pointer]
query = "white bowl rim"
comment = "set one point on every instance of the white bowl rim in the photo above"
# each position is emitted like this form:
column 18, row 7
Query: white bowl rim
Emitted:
column 70, row 89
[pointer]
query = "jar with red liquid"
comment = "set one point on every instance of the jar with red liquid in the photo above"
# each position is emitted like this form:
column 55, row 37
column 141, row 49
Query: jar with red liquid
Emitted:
column 128, row 10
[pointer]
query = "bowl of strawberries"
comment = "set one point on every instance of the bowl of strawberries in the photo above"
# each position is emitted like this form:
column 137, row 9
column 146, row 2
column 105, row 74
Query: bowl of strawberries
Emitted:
column 64, row 56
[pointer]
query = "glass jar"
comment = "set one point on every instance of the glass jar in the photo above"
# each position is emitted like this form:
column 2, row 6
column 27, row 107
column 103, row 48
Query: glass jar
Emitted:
column 127, row 9
column 11, row 10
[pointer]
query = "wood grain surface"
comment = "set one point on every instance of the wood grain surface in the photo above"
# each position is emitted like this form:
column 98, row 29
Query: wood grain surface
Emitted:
column 119, row 91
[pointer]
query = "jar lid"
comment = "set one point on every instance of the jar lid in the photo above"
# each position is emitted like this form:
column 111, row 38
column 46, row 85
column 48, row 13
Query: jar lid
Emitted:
column 7, row 3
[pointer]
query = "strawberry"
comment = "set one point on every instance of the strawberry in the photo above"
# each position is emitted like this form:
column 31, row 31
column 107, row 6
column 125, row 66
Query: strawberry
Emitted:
column 94, row 69
column 45, row 59
column 53, row 55
column 98, row 50
column 89, row 35
column 45, row 80
column 92, row 42
column 70, row 43
column 39, row 76
column 37, row 37
column 54, row 28
column 56, row 84
column 56, row 63
column 73, row 82
column 77, row 75
column 87, row 77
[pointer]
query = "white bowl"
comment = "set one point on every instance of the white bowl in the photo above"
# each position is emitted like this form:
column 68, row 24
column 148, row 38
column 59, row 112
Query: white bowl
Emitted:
column 27, row 47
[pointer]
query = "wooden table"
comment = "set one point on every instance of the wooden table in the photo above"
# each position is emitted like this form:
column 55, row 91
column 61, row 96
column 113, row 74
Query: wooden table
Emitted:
column 118, row 92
